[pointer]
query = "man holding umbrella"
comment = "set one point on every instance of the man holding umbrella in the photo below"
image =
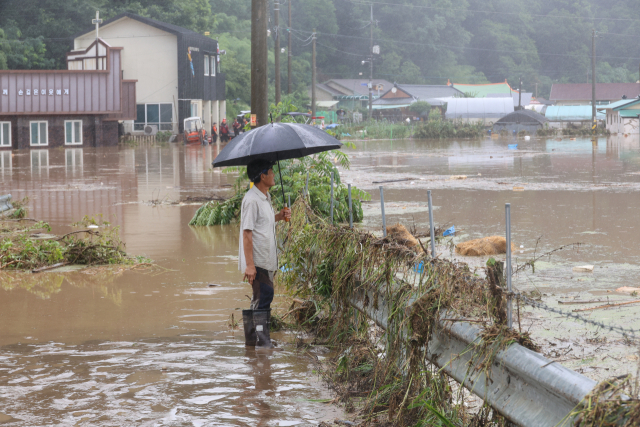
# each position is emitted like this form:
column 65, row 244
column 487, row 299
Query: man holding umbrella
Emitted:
column 257, row 244
column 260, row 149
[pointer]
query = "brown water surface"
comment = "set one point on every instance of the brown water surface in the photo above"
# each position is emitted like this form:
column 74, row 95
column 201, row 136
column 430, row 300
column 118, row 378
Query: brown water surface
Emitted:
column 112, row 347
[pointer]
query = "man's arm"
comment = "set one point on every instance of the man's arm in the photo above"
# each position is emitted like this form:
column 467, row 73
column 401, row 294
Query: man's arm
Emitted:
column 247, row 244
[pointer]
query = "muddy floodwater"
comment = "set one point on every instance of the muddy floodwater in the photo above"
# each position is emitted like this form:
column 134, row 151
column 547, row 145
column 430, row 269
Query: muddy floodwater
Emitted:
column 111, row 347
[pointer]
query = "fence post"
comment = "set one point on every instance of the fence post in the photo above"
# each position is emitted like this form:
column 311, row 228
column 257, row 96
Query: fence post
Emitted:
column 432, row 233
column 507, row 209
column 306, row 186
column 350, row 208
column 384, row 220
column 331, row 209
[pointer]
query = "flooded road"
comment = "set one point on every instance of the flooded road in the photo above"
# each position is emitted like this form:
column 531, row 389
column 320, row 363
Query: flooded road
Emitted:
column 561, row 192
column 103, row 346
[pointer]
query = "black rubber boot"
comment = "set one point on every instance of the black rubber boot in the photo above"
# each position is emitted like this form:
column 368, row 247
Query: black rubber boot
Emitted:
column 249, row 328
column 262, row 322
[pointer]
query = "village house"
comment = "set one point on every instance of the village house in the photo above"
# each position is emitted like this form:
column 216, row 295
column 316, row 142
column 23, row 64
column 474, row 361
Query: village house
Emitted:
column 178, row 72
column 394, row 103
column 581, row 93
column 348, row 94
column 79, row 107
column 622, row 116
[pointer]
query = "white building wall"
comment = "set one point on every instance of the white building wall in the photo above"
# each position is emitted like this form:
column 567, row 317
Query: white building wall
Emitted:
column 149, row 56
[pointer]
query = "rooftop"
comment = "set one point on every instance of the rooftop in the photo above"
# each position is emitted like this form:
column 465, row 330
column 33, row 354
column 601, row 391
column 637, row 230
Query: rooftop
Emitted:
column 604, row 91
column 570, row 113
column 523, row 116
column 482, row 90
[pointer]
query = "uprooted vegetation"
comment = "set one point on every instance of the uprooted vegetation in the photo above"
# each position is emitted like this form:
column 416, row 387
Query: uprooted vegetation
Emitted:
column 27, row 245
column 384, row 376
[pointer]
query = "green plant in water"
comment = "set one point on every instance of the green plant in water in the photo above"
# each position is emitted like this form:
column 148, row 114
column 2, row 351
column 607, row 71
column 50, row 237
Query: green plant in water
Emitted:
column 294, row 179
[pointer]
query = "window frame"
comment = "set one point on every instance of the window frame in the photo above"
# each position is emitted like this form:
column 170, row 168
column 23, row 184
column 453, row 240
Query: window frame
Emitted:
column 73, row 131
column 2, row 145
column 206, row 65
column 213, row 66
column 161, row 125
column 31, row 144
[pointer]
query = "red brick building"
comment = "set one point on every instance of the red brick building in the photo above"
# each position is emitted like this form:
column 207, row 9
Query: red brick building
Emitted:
column 78, row 107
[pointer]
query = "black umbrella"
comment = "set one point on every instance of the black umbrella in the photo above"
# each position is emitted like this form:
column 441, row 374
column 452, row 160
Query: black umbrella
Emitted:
column 275, row 142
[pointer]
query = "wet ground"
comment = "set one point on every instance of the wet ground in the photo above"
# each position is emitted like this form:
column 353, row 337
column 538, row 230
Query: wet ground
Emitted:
column 112, row 347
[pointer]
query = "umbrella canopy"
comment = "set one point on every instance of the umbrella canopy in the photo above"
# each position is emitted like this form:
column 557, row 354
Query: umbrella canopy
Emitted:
column 333, row 125
column 276, row 141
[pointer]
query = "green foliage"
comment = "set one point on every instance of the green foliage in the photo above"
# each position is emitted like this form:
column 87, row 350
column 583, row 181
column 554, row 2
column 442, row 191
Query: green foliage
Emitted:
column 420, row 108
column 437, row 129
column 163, row 136
column 20, row 251
column 294, row 176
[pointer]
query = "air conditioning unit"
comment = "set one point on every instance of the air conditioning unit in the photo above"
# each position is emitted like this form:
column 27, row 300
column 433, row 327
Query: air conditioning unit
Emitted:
column 150, row 129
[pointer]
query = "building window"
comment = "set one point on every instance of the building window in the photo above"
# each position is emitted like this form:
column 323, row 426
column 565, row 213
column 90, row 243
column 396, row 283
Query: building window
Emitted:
column 73, row 132
column 5, row 134
column 194, row 109
column 39, row 133
column 206, row 65
column 160, row 115
column 213, row 65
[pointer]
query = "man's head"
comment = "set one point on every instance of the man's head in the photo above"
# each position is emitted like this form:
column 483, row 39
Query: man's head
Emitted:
column 224, row 120
column 261, row 171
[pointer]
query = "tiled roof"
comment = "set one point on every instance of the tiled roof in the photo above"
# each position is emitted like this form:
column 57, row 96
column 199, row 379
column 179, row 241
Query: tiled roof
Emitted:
column 360, row 86
column 482, row 90
column 604, row 91
column 424, row 92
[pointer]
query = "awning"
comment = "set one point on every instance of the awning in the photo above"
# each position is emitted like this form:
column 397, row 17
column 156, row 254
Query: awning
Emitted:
column 326, row 104
column 389, row 107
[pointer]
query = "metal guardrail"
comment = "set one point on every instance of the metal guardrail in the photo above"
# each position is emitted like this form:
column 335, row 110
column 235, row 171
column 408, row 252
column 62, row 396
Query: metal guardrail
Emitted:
column 5, row 203
column 525, row 387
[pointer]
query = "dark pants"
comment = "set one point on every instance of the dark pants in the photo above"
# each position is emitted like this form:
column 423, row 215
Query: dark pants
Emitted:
column 262, row 290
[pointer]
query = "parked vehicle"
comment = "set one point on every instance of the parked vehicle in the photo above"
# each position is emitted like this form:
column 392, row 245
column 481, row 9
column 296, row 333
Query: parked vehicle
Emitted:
column 194, row 132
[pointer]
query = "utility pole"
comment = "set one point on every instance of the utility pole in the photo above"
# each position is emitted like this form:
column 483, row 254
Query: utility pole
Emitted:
column 520, row 95
column 276, row 18
column 536, row 90
column 313, row 75
column 289, row 53
column 593, row 81
column 371, row 66
column 259, row 83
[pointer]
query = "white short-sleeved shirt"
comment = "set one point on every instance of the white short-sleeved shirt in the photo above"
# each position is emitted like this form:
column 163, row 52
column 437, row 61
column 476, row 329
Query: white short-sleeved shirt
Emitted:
column 258, row 216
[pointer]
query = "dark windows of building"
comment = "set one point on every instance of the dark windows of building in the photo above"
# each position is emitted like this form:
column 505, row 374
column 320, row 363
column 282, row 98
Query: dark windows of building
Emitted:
column 73, row 132
column 160, row 115
column 5, row 134
column 213, row 65
column 206, row 65
column 39, row 133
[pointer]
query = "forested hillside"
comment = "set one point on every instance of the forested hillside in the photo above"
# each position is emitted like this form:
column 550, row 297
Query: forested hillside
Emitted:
column 421, row 41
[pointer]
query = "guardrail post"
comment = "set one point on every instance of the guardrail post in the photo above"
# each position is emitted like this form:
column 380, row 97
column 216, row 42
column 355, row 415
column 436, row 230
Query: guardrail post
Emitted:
column 384, row 220
column 331, row 209
column 350, row 208
column 431, row 227
column 507, row 208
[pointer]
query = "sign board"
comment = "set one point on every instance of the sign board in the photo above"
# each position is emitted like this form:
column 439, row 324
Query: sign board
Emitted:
column 254, row 120
column 376, row 49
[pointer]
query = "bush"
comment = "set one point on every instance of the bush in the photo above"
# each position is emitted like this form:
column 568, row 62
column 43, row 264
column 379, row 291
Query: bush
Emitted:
column 437, row 129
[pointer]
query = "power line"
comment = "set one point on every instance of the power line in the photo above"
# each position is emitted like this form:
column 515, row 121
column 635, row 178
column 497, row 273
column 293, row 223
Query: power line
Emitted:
column 572, row 17
column 464, row 47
